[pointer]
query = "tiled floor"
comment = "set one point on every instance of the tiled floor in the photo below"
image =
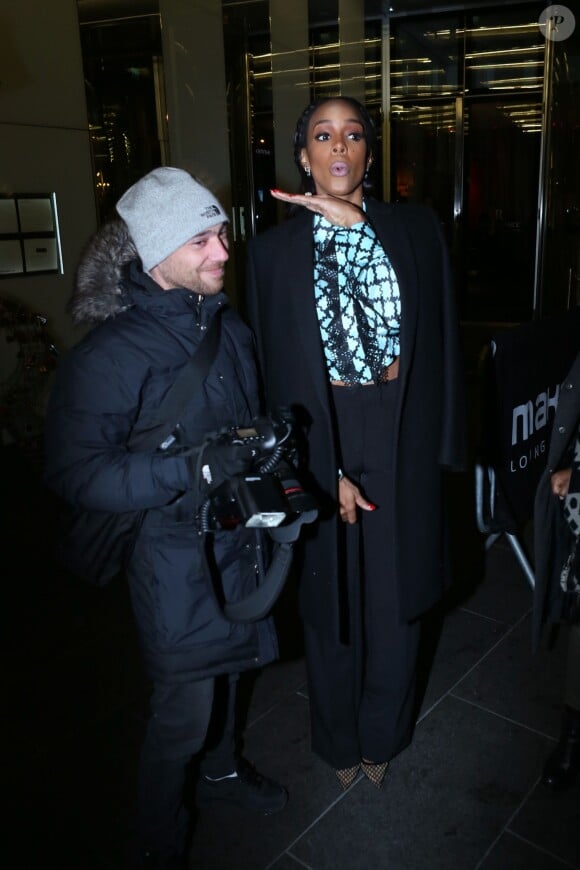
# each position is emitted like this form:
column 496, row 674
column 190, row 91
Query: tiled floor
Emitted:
column 464, row 795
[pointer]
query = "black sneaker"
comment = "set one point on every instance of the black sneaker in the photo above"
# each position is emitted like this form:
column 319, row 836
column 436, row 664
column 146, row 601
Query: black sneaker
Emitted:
column 249, row 790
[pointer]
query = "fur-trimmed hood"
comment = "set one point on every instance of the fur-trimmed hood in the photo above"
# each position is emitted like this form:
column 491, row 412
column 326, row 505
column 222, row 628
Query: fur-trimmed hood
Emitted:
column 98, row 293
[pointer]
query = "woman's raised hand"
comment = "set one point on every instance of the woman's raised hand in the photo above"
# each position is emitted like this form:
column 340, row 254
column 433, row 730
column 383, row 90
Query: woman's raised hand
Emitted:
column 340, row 212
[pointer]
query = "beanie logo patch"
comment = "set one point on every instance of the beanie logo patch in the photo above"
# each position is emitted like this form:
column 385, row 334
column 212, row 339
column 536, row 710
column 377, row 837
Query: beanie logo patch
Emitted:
column 210, row 211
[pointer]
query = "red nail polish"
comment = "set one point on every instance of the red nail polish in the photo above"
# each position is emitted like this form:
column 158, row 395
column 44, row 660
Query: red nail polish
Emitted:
column 372, row 507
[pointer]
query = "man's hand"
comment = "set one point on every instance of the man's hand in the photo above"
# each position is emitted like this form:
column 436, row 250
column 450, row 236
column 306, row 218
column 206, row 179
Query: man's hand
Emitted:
column 560, row 481
column 218, row 461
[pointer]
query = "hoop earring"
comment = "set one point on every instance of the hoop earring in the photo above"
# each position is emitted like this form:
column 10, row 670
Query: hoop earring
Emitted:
column 307, row 171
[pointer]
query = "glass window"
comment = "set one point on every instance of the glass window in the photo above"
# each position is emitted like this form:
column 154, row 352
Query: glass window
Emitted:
column 124, row 87
column 561, row 256
column 423, row 153
column 424, row 57
column 504, row 51
column 502, row 154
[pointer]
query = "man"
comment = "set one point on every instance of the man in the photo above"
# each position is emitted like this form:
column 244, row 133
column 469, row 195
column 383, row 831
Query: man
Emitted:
column 153, row 282
column 557, row 562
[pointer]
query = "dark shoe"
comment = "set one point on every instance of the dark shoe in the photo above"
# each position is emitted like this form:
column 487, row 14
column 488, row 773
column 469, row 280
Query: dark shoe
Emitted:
column 562, row 766
column 249, row 790
column 375, row 771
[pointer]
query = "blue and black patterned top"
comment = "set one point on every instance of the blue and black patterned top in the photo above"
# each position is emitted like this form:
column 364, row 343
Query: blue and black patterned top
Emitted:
column 357, row 301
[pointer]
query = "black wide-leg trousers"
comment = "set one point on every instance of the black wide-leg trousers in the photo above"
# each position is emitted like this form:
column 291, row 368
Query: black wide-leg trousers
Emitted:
column 362, row 688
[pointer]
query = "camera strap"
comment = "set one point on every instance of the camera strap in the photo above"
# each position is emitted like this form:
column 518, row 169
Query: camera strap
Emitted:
column 185, row 386
column 260, row 602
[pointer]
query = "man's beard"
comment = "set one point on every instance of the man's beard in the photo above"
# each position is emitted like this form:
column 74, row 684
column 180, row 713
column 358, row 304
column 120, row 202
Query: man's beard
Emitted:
column 203, row 288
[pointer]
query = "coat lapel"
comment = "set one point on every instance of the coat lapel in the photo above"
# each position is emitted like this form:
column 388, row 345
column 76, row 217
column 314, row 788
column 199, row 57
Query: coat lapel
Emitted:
column 300, row 266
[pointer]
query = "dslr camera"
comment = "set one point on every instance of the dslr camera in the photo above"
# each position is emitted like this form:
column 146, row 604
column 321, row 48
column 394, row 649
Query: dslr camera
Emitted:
column 269, row 495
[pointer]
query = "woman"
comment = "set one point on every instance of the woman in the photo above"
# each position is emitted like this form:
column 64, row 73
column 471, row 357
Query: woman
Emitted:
column 357, row 333
column 557, row 562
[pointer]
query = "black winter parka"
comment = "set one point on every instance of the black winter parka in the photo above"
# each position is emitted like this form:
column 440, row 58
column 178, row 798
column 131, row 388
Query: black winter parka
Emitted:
column 119, row 372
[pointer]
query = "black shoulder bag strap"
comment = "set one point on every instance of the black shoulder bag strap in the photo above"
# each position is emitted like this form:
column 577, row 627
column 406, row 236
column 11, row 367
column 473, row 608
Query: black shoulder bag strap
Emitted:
column 259, row 602
column 185, row 386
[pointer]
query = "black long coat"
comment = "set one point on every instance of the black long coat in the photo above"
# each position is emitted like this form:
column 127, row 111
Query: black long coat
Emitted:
column 551, row 536
column 430, row 417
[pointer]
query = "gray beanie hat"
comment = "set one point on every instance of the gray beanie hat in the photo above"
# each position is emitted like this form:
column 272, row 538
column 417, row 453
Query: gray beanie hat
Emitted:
column 164, row 210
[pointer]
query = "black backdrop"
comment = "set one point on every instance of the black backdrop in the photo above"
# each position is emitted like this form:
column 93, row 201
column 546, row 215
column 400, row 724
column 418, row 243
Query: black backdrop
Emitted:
column 522, row 373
